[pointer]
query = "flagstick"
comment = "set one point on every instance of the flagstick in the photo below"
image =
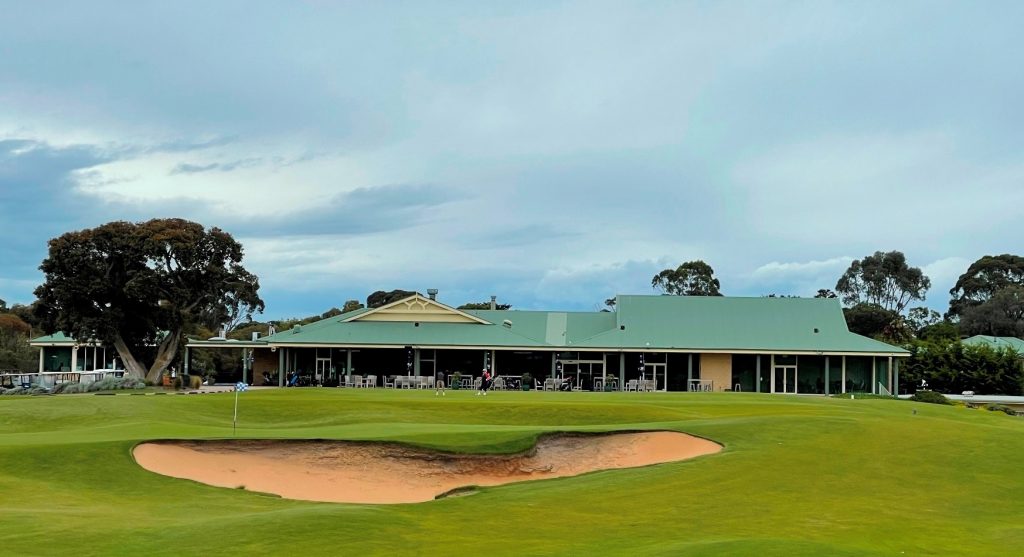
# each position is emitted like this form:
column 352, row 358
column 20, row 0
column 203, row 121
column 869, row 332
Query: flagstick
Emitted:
column 234, row 420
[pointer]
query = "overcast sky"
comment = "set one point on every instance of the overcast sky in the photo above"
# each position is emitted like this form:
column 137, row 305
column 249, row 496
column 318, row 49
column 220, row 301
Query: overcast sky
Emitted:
column 551, row 153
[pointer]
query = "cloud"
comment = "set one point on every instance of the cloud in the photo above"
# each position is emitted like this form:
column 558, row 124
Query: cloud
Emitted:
column 799, row 278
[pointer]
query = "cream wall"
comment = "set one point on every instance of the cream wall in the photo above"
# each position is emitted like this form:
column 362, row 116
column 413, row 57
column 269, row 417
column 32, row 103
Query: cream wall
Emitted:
column 718, row 368
column 263, row 360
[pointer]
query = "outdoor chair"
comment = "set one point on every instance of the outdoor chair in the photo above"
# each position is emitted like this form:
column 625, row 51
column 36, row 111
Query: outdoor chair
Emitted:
column 550, row 383
column 389, row 381
column 371, row 381
column 632, row 385
column 499, row 383
column 356, row 381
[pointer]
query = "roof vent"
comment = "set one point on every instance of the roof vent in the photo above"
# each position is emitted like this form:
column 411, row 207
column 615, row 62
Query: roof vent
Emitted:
column 255, row 335
column 507, row 323
column 494, row 302
column 271, row 330
column 297, row 329
column 432, row 292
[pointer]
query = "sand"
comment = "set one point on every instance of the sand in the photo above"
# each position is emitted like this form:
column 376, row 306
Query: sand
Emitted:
column 351, row 472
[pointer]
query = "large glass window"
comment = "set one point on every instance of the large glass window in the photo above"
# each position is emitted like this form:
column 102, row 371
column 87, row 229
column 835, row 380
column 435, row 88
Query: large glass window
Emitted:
column 858, row 374
column 811, row 374
column 882, row 372
column 744, row 372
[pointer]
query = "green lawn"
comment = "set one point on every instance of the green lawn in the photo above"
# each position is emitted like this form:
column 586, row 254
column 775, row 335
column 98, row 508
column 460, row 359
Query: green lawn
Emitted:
column 798, row 476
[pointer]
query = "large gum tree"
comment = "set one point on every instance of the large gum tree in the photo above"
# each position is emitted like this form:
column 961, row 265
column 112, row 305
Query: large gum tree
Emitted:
column 137, row 286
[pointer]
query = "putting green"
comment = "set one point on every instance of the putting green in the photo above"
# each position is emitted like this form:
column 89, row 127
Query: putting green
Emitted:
column 798, row 476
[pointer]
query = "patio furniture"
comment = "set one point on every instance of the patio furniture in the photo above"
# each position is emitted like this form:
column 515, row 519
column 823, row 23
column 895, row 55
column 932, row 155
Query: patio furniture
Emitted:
column 633, row 385
column 389, row 381
column 550, row 384
column 354, row 381
column 370, row 381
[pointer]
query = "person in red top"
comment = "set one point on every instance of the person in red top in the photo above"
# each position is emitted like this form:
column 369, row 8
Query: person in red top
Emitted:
column 485, row 383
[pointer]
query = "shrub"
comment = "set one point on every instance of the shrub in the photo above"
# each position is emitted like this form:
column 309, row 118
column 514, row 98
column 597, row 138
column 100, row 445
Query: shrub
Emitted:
column 26, row 391
column 931, row 397
column 1000, row 408
column 195, row 382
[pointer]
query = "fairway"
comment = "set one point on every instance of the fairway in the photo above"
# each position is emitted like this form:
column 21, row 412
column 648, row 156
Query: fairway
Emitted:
column 798, row 476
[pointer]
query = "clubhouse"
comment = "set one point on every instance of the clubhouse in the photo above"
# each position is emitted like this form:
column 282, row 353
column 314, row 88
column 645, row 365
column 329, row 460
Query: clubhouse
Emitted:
column 663, row 343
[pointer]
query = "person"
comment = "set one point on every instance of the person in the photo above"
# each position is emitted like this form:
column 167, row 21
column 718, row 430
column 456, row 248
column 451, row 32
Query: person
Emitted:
column 485, row 383
column 439, row 383
column 566, row 383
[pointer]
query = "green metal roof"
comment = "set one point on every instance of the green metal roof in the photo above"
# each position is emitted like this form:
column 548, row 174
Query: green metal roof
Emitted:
column 55, row 338
column 731, row 323
column 691, row 323
column 1013, row 343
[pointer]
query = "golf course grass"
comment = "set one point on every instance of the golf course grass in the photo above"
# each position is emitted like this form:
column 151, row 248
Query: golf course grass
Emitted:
column 798, row 476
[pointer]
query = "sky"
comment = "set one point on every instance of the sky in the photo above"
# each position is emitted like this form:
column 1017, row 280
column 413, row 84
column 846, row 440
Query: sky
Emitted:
column 550, row 153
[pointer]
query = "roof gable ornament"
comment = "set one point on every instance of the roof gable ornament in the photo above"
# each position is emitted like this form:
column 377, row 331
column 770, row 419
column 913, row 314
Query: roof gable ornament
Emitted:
column 416, row 308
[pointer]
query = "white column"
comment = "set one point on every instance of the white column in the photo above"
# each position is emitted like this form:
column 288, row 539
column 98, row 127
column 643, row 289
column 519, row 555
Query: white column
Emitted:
column 757, row 378
column 42, row 353
column 74, row 358
column 844, row 375
column 891, row 390
column 94, row 349
column 771, row 378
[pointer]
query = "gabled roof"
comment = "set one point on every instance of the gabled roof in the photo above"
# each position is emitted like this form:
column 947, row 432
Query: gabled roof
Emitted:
column 1013, row 343
column 416, row 308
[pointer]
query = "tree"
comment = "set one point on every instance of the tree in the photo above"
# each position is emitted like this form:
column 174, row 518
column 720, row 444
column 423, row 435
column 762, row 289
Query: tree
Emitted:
column 983, row 279
column 610, row 304
column 921, row 317
column 15, row 353
column 1000, row 315
column 136, row 286
column 382, row 298
column 883, row 279
column 693, row 278
column 484, row 305
column 825, row 293
column 352, row 305
column 870, row 320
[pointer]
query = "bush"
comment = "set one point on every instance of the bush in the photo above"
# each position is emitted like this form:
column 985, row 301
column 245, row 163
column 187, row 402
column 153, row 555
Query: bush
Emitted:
column 195, row 382
column 1000, row 408
column 456, row 380
column 24, row 391
column 931, row 397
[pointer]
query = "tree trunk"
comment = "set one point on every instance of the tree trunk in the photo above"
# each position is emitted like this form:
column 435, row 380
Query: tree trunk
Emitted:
column 164, row 355
column 131, row 365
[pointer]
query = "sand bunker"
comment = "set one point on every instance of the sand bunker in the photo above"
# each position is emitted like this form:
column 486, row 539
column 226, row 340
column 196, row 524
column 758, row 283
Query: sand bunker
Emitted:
column 351, row 472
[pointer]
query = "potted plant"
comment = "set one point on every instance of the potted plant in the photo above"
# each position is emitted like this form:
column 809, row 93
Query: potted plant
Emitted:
column 456, row 380
column 527, row 381
column 609, row 383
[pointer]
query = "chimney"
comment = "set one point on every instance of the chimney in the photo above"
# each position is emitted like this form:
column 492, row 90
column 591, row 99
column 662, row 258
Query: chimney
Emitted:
column 494, row 302
column 432, row 292
column 255, row 335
